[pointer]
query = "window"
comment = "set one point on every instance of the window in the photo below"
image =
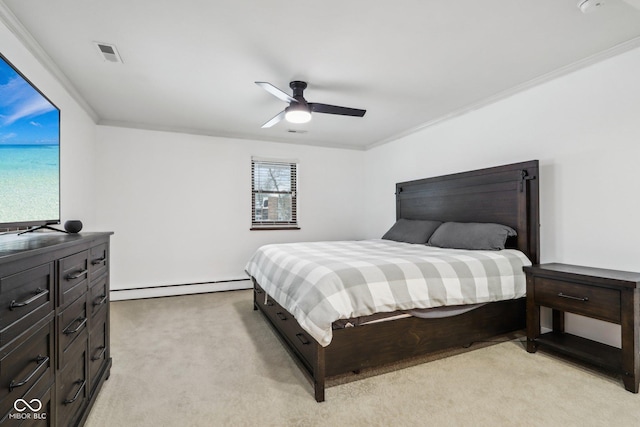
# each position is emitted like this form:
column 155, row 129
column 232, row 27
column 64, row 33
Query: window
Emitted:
column 273, row 194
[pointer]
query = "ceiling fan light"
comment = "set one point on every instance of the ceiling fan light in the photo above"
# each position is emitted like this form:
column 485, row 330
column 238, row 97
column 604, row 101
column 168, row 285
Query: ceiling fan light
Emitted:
column 297, row 116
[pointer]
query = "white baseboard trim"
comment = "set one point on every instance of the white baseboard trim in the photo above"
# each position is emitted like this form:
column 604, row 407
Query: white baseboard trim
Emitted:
column 175, row 290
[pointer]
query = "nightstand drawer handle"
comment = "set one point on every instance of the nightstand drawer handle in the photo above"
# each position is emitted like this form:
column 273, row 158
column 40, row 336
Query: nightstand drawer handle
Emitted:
column 585, row 299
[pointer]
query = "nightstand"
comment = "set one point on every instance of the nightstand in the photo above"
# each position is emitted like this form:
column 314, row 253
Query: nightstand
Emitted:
column 609, row 295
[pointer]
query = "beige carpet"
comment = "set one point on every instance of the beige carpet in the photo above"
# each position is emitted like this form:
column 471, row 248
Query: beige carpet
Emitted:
column 210, row 360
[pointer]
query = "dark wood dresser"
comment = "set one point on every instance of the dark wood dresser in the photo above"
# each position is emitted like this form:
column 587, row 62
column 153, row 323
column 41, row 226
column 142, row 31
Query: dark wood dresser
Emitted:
column 54, row 327
column 609, row 295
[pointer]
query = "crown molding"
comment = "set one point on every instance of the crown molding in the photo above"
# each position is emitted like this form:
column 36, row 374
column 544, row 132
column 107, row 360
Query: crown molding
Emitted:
column 15, row 26
column 552, row 75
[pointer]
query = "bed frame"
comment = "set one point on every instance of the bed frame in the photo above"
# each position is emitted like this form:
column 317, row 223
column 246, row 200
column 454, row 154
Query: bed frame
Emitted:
column 505, row 194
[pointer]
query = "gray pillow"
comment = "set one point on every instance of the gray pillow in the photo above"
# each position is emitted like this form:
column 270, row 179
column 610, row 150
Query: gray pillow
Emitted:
column 471, row 235
column 411, row 230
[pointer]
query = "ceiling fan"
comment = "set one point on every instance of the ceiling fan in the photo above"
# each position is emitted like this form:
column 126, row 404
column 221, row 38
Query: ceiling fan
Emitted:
column 299, row 110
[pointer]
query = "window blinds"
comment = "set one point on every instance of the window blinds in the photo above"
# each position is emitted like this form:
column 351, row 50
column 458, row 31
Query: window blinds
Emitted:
column 273, row 194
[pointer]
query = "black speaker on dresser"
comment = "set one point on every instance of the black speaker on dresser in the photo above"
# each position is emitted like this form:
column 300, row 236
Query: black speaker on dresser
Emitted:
column 73, row 226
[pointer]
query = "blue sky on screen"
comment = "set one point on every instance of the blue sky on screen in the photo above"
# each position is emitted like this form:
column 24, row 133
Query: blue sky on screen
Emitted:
column 26, row 117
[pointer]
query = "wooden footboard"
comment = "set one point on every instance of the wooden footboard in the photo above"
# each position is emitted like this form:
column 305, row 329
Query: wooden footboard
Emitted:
column 385, row 343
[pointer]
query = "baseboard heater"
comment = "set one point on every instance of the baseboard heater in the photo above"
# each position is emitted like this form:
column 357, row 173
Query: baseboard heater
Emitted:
column 179, row 289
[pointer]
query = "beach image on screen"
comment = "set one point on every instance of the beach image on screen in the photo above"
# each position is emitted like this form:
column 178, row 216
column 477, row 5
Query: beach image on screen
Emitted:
column 29, row 151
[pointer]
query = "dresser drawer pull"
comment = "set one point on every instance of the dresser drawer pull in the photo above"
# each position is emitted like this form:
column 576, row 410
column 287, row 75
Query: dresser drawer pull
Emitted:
column 269, row 303
column 39, row 293
column 82, row 320
column 585, row 299
column 281, row 315
column 41, row 361
column 102, row 349
column 99, row 261
column 103, row 299
column 78, row 274
column 303, row 339
column 75, row 397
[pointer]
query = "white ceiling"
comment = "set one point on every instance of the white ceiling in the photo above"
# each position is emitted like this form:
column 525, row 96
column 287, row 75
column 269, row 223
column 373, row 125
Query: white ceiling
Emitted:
column 190, row 65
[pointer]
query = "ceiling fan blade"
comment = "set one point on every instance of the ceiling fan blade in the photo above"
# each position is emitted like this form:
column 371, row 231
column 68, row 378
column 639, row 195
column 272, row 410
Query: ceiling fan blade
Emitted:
column 334, row 109
column 275, row 120
column 276, row 92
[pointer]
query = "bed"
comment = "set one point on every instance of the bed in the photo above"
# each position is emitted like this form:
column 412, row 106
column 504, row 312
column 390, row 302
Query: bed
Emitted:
column 506, row 195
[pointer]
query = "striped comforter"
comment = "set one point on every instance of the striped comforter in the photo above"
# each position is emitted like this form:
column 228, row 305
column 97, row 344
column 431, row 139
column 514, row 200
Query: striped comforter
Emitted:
column 321, row 282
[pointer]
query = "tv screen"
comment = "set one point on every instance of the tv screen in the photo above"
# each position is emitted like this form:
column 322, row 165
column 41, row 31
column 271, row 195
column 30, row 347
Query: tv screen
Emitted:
column 29, row 153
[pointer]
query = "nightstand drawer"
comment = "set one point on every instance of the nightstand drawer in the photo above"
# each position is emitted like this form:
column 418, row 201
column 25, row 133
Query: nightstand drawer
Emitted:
column 592, row 301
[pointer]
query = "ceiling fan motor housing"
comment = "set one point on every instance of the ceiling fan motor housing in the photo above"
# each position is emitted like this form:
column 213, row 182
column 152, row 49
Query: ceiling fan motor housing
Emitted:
column 298, row 88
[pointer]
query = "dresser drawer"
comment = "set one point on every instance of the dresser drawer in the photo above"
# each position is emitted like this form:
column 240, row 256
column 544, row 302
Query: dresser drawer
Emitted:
column 27, row 362
column 592, row 301
column 72, row 325
column 98, row 260
column 98, row 346
column 99, row 295
column 25, row 298
column 73, row 277
column 35, row 408
column 72, row 385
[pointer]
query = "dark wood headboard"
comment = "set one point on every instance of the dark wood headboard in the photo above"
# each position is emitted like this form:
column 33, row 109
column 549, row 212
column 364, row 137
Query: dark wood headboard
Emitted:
column 504, row 194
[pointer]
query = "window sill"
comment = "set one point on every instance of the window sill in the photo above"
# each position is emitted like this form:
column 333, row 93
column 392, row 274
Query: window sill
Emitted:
column 275, row 227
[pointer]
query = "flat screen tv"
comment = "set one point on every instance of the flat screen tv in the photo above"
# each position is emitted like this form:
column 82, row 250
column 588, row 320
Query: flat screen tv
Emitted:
column 29, row 153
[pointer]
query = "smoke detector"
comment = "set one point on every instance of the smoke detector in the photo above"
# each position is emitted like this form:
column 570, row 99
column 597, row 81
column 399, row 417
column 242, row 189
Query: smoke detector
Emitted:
column 588, row 6
column 108, row 52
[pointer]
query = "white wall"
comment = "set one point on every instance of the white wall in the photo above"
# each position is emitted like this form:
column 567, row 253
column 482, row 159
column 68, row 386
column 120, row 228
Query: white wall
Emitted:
column 585, row 130
column 180, row 205
column 77, row 134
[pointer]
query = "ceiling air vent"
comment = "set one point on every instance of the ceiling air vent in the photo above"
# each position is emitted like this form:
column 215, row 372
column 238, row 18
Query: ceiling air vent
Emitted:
column 108, row 52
